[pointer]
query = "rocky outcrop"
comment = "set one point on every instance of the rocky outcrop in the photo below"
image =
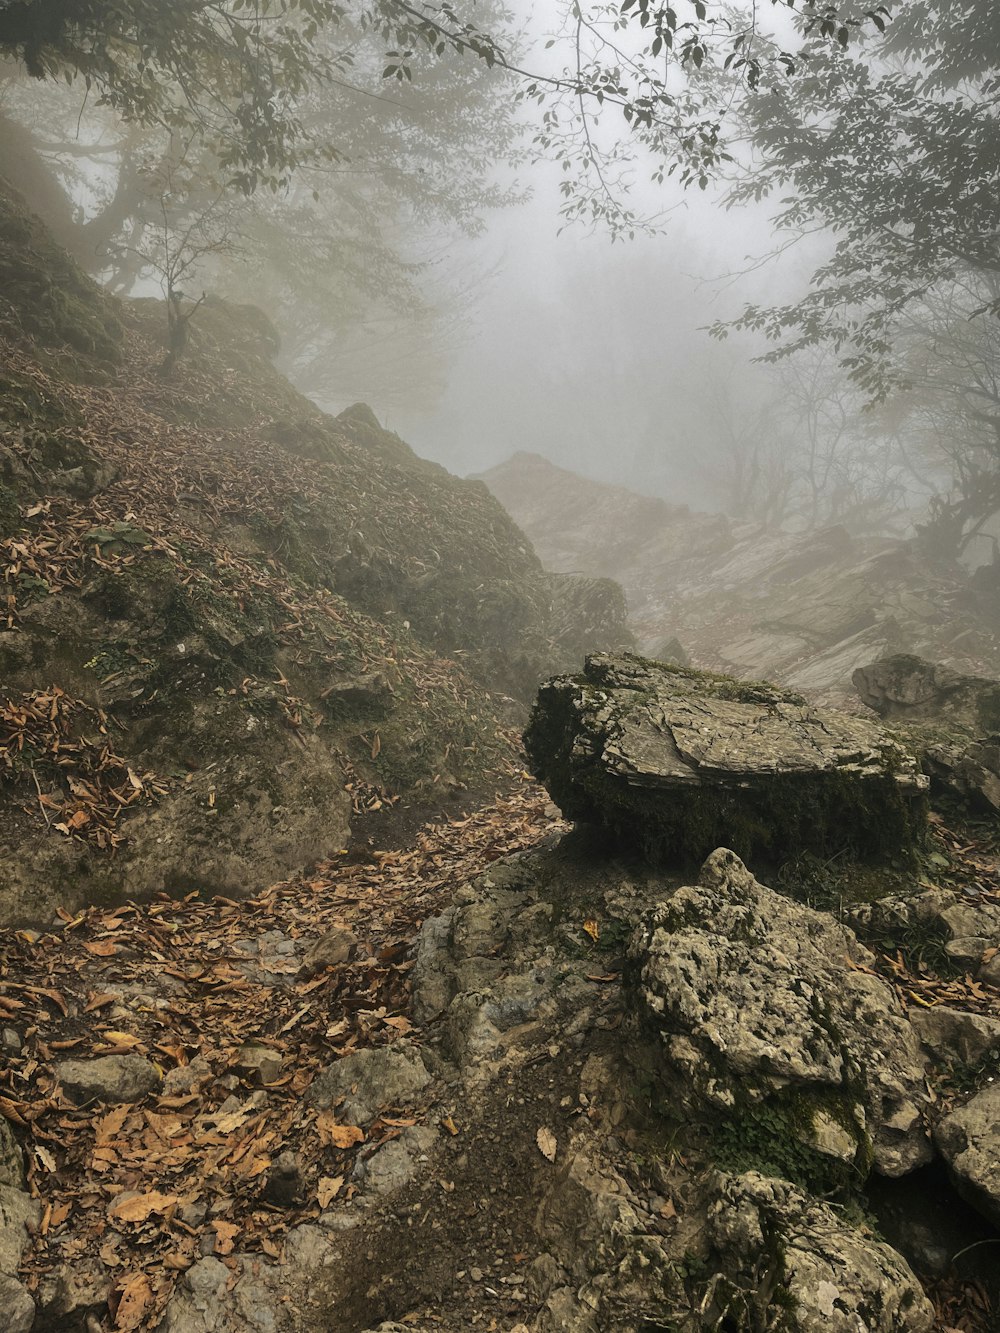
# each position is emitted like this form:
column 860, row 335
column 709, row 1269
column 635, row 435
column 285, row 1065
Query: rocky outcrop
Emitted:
column 758, row 1002
column 674, row 762
column 780, row 1248
column 953, row 720
column 909, row 688
column 966, row 926
column 969, row 1141
column 223, row 608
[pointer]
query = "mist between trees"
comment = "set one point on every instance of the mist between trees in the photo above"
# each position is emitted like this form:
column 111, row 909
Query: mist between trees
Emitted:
column 349, row 170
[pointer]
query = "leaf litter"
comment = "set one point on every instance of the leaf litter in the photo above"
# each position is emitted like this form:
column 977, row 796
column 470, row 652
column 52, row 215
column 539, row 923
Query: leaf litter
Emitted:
column 152, row 1186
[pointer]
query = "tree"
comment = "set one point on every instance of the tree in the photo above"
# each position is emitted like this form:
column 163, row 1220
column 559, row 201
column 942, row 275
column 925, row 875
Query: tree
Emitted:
column 340, row 243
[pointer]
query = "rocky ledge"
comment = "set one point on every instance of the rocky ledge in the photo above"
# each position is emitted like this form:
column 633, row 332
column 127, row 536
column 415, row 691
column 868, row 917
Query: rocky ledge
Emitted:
column 673, row 762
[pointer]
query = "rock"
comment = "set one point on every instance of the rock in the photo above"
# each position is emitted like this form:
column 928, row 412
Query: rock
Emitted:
column 10, row 1040
column 907, row 687
column 755, row 1005
column 111, row 1078
column 396, row 1164
column 11, row 1159
column 672, row 652
column 956, row 1037
column 792, row 1254
column 967, row 927
column 370, row 691
column 261, row 1060
column 330, row 950
column 185, row 1079
column 71, row 1292
column 968, row 770
column 673, row 762
column 969, row 1141
column 17, row 1212
column 285, row 1181
column 17, row 1306
column 369, row 1080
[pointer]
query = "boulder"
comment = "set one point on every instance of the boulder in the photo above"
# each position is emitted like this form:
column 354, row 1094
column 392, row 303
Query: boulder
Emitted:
column 783, row 1251
column 111, row 1078
column 969, row 1141
column 765, row 1010
column 673, row 762
column 359, row 1085
column 910, row 688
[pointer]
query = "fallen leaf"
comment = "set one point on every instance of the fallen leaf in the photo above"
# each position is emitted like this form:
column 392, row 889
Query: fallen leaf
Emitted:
column 136, row 1208
column 328, row 1188
column 106, row 1127
column 225, row 1235
column 376, row 746
column 547, row 1145
column 134, row 1298
column 101, row 948
column 449, row 1124
column 340, row 1136
column 121, row 1038
column 591, row 927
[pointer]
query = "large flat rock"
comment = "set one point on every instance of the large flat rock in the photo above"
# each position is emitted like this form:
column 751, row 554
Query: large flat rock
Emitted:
column 673, row 763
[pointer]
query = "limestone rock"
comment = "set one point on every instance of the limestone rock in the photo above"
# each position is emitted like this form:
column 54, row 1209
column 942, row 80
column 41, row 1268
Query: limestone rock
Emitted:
column 675, row 762
column 955, row 1036
column 788, row 1252
column 111, row 1078
column 969, row 1141
column 17, row 1306
column 969, row 927
column 755, row 1003
column 906, row 687
column 330, row 950
column 370, row 1079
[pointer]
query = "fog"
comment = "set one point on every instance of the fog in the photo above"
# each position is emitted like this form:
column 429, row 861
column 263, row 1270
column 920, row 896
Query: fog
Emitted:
column 596, row 354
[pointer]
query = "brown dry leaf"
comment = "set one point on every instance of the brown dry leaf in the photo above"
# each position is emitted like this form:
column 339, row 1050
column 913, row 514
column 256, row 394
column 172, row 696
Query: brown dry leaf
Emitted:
column 107, row 1127
column 591, row 928
column 177, row 1261
column 98, row 999
column 401, row 1025
column 138, row 1207
column 225, row 1236
column 449, row 1124
column 547, row 1145
column 340, row 1136
column 134, row 1300
column 376, row 746
column 101, row 948
column 328, row 1188
column 121, row 1038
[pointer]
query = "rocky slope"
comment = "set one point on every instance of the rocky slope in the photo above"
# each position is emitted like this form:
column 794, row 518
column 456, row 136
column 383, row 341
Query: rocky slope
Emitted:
column 229, row 621
column 805, row 611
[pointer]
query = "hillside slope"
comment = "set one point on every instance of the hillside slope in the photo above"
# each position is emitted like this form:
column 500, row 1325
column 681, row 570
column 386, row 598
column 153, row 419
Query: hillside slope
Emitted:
column 228, row 620
column 801, row 609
